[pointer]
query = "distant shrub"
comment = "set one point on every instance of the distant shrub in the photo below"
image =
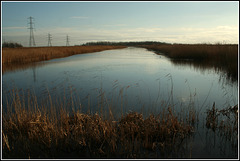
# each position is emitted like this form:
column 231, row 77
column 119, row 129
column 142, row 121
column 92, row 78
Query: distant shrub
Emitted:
column 132, row 43
column 11, row 45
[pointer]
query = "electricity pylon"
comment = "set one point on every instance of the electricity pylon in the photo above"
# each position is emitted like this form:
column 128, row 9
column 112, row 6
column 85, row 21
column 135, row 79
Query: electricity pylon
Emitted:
column 67, row 41
column 49, row 40
column 31, row 39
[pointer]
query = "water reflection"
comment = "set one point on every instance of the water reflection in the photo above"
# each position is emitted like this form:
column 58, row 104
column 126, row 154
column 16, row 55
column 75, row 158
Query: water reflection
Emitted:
column 20, row 67
column 204, row 66
column 150, row 78
column 34, row 74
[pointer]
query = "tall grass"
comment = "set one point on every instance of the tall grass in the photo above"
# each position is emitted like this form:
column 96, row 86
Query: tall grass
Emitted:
column 39, row 131
column 221, row 56
column 12, row 56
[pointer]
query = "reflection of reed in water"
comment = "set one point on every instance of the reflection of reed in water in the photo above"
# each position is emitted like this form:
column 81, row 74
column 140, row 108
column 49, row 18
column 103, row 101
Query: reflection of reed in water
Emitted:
column 223, row 57
column 19, row 67
column 208, row 65
column 34, row 73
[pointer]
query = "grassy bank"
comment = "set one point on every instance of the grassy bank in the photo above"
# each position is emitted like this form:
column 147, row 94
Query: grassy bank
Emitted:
column 221, row 56
column 16, row 56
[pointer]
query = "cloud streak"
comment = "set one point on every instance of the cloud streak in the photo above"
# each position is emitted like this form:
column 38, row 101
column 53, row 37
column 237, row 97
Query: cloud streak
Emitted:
column 117, row 25
column 78, row 17
column 14, row 27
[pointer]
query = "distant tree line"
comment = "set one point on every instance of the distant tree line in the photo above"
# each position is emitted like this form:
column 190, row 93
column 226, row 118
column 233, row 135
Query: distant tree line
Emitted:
column 11, row 45
column 132, row 43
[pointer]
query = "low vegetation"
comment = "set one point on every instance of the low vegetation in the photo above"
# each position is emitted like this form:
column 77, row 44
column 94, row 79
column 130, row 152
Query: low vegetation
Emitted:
column 129, row 43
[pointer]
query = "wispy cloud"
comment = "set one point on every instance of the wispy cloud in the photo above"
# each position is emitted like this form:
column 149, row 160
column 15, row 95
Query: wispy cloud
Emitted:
column 116, row 25
column 79, row 17
column 14, row 27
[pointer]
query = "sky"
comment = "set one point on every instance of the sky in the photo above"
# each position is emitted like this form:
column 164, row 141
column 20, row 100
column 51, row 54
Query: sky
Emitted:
column 89, row 21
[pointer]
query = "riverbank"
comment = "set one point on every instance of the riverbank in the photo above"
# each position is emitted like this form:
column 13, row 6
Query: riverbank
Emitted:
column 219, row 56
column 26, row 55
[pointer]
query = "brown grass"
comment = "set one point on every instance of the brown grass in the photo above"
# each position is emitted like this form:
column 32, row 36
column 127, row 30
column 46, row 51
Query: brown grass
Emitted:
column 13, row 56
column 221, row 56
column 41, row 132
column 36, row 135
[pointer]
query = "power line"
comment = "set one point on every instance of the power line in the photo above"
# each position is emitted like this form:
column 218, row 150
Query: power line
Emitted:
column 49, row 40
column 31, row 39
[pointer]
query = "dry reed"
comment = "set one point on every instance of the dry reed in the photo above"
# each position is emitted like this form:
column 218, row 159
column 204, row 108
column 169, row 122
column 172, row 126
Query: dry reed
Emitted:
column 224, row 122
column 42, row 132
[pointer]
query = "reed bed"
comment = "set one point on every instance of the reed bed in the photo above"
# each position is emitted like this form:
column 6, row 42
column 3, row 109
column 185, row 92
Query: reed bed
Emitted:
column 12, row 56
column 37, row 135
column 34, row 131
column 221, row 56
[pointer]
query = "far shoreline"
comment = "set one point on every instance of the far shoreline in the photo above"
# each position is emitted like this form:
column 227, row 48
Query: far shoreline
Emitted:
column 25, row 56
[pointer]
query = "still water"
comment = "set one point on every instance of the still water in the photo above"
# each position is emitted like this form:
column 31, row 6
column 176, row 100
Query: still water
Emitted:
column 130, row 79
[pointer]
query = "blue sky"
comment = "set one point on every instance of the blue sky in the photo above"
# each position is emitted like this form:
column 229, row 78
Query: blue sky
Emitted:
column 172, row 22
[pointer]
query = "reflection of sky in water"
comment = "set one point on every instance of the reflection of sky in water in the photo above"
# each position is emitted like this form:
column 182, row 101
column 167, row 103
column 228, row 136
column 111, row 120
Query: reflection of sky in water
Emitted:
column 150, row 78
column 132, row 78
